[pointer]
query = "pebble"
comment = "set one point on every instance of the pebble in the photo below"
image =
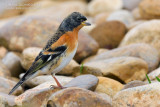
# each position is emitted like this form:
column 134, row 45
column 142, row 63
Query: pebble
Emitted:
column 98, row 6
column 123, row 69
column 141, row 96
column 147, row 32
column 76, row 97
column 12, row 62
column 106, row 36
column 108, row 86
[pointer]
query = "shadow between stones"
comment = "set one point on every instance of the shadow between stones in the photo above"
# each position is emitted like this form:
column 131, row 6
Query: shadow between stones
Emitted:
column 115, row 78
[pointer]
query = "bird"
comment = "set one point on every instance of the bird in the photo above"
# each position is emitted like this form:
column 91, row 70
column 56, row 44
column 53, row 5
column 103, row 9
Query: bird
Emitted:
column 59, row 50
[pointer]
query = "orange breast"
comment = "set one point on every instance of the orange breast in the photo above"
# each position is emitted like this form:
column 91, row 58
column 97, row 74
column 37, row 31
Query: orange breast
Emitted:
column 69, row 39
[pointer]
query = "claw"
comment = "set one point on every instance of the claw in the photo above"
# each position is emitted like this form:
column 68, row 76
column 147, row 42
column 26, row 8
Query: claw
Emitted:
column 56, row 87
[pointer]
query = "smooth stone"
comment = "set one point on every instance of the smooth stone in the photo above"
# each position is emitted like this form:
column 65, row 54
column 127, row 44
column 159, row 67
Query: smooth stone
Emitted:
column 48, row 78
column 76, row 97
column 105, row 97
column 87, row 46
column 12, row 61
column 136, row 14
column 123, row 16
column 136, row 23
column 98, row 6
column 141, row 96
column 64, row 9
column 14, row 8
column 13, row 79
column 131, row 4
column 86, row 70
column 102, row 50
column 39, row 95
column 40, row 5
column 123, row 69
column 108, row 86
column 3, row 52
column 84, row 81
column 134, row 83
column 106, row 36
column 148, row 32
column 143, row 51
column 35, row 97
column 4, row 71
column 22, row 32
column 6, row 100
column 150, row 9
column 101, row 18
column 6, row 85
column 155, row 73
column 28, row 56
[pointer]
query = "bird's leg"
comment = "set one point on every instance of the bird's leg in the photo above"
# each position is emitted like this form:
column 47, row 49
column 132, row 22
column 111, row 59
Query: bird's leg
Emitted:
column 57, row 82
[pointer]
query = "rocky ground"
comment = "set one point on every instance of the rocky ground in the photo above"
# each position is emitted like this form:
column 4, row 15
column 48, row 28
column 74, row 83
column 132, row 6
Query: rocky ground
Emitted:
column 110, row 66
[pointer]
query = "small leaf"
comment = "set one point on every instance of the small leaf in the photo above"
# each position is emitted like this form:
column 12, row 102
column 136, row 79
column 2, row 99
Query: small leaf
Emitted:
column 81, row 69
column 148, row 79
column 157, row 79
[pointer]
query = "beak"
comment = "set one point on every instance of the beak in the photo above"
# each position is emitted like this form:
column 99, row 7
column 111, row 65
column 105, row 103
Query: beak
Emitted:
column 86, row 23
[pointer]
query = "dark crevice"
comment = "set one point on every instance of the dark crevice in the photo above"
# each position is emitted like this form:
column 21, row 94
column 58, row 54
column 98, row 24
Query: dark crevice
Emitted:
column 115, row 78
column 50, row 103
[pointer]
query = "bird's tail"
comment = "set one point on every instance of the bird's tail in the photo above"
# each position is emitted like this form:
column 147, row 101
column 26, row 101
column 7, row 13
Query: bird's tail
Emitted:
column 16, row 86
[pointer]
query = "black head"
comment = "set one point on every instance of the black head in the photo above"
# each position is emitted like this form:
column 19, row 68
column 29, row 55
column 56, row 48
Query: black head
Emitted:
column 73, row 21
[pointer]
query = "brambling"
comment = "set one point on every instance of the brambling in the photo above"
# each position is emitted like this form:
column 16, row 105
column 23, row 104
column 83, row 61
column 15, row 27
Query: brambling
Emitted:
column 59, row 50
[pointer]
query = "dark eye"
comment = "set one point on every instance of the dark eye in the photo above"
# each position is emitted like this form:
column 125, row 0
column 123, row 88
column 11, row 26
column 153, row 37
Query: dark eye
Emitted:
column 79, row 19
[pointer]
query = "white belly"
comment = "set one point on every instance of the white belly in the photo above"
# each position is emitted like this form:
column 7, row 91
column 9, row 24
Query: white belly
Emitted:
column 64, row 62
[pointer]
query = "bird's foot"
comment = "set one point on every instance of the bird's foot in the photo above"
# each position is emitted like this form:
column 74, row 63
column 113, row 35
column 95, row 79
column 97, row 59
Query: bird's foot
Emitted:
column 56, row 87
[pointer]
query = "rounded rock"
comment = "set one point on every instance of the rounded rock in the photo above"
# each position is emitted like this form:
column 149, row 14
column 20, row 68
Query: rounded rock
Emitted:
column 4, row 71
column 135, row 83
column 84, row 81
column 28, row 31
column 106, row 36
column 155, row 73
column 123, row 16
column 123, row 69
column 7, row 100
column 147, row 32
column 64, row 9
column 3, row 52
column 12, row 61
column 98, row 6
column 6, row 85
column 140, row 50
column 17, row 7
column 150, row 9
column 86, row 70
column 131, row 4
column 28, row 56
column 108, row 86
column 74, row 97
column 47, row 78
column 87, row 46
column 141, row 96
column 100, row 18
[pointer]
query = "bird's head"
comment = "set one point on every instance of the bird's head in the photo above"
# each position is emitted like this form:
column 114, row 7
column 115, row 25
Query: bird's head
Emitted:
column 74, row 20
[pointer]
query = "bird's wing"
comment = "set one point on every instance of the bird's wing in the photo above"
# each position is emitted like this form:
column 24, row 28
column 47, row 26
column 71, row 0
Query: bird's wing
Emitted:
column 44, row 57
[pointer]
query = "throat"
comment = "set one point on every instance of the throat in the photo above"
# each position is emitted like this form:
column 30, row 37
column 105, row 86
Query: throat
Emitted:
column 72, row 40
